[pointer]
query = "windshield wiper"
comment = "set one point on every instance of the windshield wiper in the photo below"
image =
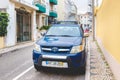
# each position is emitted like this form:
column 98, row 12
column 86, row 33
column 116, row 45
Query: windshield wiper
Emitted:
column 61, row 35
column 52, row 35
column 66, row 35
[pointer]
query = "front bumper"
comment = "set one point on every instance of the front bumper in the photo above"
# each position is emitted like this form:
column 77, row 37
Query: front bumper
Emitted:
column 72, row 60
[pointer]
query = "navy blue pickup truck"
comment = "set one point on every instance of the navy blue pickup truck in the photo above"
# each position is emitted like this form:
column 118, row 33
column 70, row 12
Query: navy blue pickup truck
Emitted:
column 63, row 46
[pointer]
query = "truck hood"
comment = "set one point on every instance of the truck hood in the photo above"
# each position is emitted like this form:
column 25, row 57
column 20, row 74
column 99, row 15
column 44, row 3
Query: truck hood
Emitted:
column 60, row 41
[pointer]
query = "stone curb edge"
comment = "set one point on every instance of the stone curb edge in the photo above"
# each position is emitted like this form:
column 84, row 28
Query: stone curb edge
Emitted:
column 87, row 74
column 6, row 50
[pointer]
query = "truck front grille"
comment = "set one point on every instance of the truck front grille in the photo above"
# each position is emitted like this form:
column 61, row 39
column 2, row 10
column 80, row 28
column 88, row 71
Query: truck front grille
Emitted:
column 55, row 49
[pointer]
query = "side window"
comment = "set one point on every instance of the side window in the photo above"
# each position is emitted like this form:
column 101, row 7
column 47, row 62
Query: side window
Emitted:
column 81, row 28
column 81, row 31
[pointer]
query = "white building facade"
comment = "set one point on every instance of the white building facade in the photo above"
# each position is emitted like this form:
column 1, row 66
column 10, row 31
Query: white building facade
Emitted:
column 90, row 12
column 42, row 14
column 61, row 10
column 84, row 20
column 67, row 10
column 53, row 12
column 24, row 17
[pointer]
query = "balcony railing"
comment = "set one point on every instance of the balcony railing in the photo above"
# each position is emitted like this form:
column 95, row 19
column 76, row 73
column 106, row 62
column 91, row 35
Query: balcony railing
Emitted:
column 54, row 2
column 53, row 14
column 42, row 7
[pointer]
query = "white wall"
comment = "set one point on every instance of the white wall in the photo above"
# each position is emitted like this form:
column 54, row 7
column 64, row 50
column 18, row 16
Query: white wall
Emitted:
column 70, row 10
column 11, row 35
column 29, row 1
column 4, row 3
column 61, row 10
column 42, row 21
column 47, row 3
column 34, row 25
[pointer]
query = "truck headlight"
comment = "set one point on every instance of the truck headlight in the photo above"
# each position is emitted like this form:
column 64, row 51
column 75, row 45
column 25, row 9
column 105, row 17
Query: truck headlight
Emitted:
column 77, row 49
column 37, row 47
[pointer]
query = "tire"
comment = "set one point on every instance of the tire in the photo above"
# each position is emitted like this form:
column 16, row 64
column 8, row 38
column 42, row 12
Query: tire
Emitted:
column 82, row 70
column 38, row 68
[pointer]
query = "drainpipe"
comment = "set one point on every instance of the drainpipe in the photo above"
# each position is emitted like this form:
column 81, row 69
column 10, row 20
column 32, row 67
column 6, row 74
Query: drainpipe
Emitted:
column 93, row 20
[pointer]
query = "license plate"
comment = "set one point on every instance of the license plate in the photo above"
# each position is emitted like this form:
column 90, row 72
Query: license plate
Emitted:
column 55, row 64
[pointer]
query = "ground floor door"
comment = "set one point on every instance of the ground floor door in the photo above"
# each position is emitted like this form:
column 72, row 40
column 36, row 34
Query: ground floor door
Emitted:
column 23, row 26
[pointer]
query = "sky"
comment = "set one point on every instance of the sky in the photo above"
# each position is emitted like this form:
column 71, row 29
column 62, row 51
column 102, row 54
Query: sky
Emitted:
column 82, row 5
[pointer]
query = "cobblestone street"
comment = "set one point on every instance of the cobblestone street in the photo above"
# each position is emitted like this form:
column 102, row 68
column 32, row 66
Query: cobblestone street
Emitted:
column 99, row 68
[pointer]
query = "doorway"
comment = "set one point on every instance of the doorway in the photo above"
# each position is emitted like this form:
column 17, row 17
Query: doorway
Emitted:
column 23, row 25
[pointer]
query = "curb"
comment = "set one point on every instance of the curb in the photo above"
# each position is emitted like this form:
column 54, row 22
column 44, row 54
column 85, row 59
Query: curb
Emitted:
column 16, row 47
column 87, row 74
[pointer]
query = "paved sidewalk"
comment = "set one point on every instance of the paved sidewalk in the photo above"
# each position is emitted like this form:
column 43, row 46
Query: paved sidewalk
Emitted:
column 99, row 68
column 12, row 48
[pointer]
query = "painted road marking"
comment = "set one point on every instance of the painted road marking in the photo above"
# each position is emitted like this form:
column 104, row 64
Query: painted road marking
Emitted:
column 17, row 77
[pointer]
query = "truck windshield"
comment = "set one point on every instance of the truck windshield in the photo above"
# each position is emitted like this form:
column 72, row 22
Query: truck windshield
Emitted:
column 64, row 31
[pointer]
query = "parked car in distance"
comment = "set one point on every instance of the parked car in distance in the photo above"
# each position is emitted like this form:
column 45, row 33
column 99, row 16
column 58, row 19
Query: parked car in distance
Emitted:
column 63, row 46
column 86, row 31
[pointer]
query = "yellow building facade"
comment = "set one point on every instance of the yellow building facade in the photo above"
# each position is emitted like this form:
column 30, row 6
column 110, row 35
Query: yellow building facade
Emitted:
column 1, row 42
column 108, row 33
